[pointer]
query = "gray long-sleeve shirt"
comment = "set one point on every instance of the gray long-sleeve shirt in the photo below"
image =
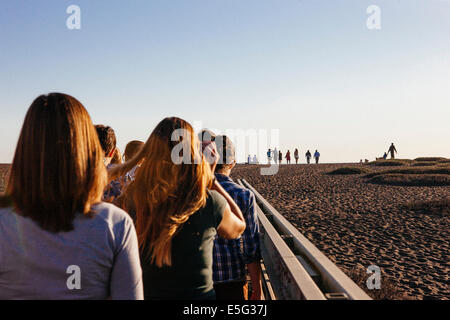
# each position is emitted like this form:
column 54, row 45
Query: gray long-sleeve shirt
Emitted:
column 99, row 259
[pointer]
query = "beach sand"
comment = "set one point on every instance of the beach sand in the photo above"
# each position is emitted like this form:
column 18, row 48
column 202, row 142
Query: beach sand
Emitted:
column 357, row 224
column 3, row 175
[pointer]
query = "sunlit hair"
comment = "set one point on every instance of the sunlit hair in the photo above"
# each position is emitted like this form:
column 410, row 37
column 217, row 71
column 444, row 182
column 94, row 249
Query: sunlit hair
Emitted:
column 58, row 167
column 107, row 138
column 132, row 149
column 117, row 157
column 165, row 194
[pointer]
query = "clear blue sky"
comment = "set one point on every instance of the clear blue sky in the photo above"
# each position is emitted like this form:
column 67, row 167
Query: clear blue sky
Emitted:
column 310, row 68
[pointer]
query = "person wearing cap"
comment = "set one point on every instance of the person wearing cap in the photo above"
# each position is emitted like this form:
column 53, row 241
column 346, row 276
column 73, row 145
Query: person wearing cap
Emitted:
column 231, row 257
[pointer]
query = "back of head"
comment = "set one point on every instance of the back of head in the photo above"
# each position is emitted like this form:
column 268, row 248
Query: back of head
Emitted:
column 169, row 187
column 58, row 167
column 227, row 153
column 132, row 149
column 206, row 135
column 107, row 139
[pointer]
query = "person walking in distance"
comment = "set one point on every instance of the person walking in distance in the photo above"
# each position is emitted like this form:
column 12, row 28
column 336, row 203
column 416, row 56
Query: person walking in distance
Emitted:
column 392, row 150
column 317, row 156
column 269, row 156
column 275, row 155
column 288, row 157
column 308, row 157
column 296, row 156
column 280, row 156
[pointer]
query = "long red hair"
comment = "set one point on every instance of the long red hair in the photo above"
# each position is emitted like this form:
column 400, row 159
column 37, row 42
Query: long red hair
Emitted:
column 166, row 190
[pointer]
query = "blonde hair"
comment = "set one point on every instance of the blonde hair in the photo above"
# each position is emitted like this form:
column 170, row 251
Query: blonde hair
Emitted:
column 165, row 194
column 58, row 167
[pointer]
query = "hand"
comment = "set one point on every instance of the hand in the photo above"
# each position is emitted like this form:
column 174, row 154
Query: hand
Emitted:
column 210, row 153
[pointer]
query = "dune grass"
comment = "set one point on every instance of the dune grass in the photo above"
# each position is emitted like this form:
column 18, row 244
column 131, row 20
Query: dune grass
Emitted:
column 434, row 207
column 419, row 180
column 433, row 159
column 412, row 171
column 424, row 164
column 349, row 170
column 390, row 163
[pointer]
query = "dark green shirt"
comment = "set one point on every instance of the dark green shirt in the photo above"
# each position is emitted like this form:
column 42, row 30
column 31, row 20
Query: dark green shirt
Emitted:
column 190, row 276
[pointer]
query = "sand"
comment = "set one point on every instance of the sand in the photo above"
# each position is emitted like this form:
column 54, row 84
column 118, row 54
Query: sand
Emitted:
column 357, row 224
column 3, row 174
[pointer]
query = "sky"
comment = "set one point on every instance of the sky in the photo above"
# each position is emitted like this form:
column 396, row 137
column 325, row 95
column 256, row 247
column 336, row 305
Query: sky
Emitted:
column 306, row 74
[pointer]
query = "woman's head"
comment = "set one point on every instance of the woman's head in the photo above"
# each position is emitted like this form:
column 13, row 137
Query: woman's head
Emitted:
column 169, row 187
column 58, row 167
column 132, row 148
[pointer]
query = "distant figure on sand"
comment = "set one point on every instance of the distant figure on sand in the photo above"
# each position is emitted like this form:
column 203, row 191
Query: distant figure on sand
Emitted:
column 384, row 156
column 308, row 156
column 288, row 157
column 275, row 155
column 392, row 150
column 269, row 155
column 296, row 156
column 249, row 160
column 255, row 159
column 280, row 156
column 317, row 156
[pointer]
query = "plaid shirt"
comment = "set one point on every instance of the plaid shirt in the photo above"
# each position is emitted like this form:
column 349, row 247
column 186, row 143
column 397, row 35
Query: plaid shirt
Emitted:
column 231, row 256
column 114, row 189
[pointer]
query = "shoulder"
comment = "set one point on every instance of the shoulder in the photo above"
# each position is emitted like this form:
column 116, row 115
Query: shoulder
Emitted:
column 215, row 198
column 111, row 215
column 6, row 212
column 236, row 191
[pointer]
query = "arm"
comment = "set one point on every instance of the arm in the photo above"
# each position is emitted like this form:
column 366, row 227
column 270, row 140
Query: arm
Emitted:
column 126, row 275
column 233, row 223
column 251, row 244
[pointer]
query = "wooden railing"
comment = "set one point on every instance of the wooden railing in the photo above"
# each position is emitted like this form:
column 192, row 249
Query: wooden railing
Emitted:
column 293, row 268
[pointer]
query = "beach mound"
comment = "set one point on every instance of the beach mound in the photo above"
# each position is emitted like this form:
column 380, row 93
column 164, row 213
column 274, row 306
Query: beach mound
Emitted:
column 349, row 170
column 397, row 179
column 412, row 176
column 390, row 163
column 436, row 207
column 432, row 159
column 423, row 161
